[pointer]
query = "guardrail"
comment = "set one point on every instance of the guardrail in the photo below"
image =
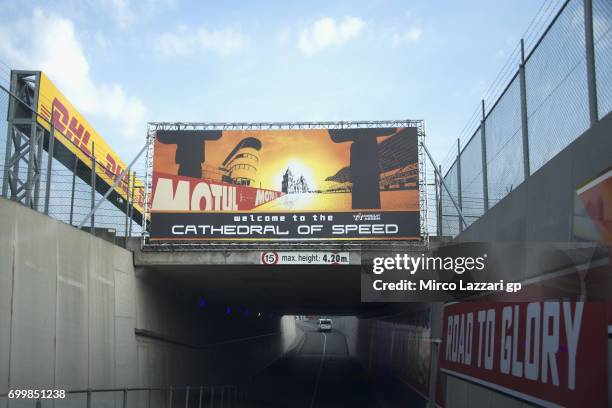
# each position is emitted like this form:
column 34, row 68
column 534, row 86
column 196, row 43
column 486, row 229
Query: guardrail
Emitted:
column 208, row 396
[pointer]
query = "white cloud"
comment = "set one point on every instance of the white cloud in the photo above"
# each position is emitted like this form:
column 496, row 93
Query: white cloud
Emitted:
column 49, row 43
column 411, row 36
column 188, row 41
column 127, row 12
column 327, row 32
column 283, row 37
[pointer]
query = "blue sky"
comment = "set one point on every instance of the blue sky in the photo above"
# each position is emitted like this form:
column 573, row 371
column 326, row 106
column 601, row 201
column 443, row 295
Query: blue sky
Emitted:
column 124, row 63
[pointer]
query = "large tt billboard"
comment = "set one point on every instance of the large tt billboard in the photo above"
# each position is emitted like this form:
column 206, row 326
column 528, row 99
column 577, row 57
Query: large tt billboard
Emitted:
column 294, row 184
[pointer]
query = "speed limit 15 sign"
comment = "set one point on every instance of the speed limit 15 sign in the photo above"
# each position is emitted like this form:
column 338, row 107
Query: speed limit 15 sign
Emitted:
column 304, row 258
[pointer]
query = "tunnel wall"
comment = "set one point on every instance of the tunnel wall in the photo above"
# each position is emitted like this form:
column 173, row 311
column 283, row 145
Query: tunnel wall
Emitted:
column 191, row 344
column 396, row 350
column 71, row 305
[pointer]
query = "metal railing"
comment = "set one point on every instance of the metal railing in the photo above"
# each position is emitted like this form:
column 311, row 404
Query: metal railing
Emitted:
column 204, row 396
column 561, row 85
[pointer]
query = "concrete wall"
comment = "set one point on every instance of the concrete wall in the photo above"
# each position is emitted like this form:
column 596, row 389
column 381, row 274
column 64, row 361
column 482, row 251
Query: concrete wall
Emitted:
column 71, row 304
column 66, row 306
column 460, row 393
column 396, row 350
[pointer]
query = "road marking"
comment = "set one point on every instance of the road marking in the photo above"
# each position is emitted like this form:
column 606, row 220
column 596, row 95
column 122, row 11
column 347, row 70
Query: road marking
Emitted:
column 314, row 394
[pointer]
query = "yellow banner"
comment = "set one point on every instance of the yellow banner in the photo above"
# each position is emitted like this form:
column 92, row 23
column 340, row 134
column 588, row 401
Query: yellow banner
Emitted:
column 74, row 132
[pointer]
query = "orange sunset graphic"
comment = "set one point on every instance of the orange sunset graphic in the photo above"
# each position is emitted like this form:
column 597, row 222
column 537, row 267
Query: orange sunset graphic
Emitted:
column 311, row 170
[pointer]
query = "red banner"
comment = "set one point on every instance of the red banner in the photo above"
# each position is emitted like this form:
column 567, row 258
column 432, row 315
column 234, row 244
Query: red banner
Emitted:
column 549, row 353
column 177, row 193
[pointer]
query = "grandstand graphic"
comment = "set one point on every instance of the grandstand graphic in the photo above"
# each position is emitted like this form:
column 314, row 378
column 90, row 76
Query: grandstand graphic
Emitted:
column 298, row 170
column 397, row 165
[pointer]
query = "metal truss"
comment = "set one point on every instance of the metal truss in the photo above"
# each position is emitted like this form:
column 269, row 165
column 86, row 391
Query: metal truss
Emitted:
column 423, row 203
column 148, row 182
column 236, row 246
column 281, row 125
column 25, row 138
column 393, row 245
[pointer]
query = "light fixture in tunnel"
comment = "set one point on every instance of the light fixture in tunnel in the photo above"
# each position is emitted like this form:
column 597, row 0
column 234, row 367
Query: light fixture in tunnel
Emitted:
column 228, row 310
column 246, row 311
column 202, row 302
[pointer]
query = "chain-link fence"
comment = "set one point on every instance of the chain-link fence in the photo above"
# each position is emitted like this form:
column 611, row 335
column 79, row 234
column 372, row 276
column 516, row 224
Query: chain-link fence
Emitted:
column 561, row 86
column 74, row 181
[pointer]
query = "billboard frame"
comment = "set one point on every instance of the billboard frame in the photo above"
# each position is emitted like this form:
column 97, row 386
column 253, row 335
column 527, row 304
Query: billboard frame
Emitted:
column 153, row 127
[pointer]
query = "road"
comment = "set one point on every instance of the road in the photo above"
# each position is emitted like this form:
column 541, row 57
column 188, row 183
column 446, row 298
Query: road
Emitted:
column 318, row 374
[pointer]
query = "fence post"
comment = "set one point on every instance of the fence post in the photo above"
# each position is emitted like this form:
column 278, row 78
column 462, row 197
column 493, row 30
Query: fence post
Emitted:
column 485, row 174
column 8, row 152
column 170, row 398
column 524, row 122
column 111, row 188
column 49, row 162
column 93, row 187
column 127, row 208
column 440, row 213
column 433, row 372
column 200, row 399
column 187, row 397
column 74, row 170
column 437, row 203
column 125, row 392
column 212, row 396
column 40, row 135
column 88, row 398
column 132, row 204
column 590, row 61
column 459, row 192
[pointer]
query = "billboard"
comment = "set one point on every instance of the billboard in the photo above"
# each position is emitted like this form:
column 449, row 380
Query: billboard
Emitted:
column 292, row 184
column 79, row 137
column 592, row 215
column 548, row 353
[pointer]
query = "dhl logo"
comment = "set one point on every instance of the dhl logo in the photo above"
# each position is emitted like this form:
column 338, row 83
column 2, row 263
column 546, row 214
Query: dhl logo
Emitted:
column 79, row 137
column 69, row 127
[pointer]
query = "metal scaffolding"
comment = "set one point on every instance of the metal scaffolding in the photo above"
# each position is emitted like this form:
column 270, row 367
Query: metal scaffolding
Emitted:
column 422, row 182
column 24, row 142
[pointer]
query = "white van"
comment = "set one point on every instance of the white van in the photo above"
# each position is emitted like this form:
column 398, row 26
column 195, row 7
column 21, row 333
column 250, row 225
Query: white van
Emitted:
column 325, row 325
